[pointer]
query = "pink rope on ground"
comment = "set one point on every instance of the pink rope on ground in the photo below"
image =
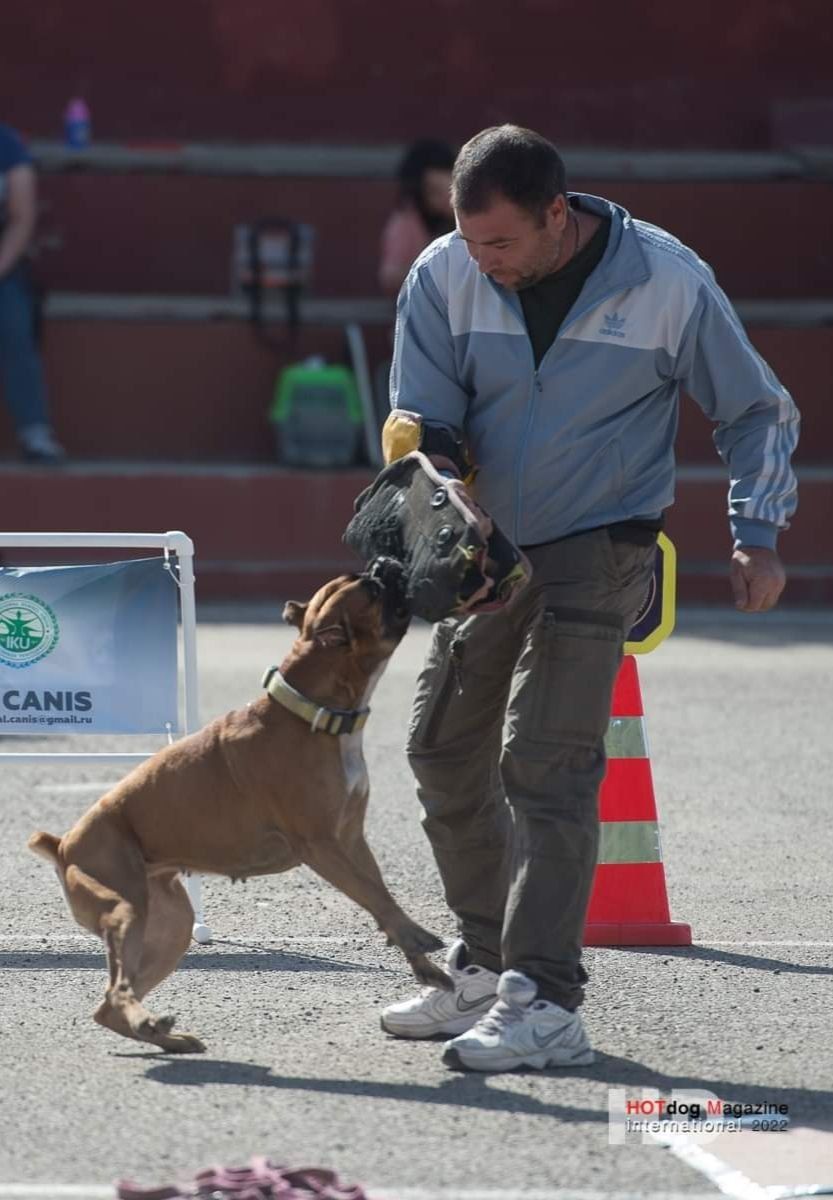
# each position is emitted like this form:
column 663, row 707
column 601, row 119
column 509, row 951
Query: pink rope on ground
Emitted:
column 262, row 1179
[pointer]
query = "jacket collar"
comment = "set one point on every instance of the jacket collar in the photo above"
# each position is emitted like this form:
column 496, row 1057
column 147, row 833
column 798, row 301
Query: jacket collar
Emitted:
column 623, row 264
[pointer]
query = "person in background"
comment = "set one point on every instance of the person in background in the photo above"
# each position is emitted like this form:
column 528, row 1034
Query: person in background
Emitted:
column 20, row 365
column 423, row 211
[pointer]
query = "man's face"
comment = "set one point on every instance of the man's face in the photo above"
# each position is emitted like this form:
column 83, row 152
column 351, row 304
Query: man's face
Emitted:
column 510, row 245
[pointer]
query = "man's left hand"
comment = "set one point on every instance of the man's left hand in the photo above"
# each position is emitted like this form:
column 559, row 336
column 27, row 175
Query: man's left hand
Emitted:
column 757, row 577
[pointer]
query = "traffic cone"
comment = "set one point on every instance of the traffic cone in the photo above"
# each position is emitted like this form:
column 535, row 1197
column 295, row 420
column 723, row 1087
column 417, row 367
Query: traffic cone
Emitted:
column 629, row 903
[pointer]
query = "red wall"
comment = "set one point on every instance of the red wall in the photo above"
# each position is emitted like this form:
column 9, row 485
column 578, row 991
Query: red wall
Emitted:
column 131, row 233
column 610, row 73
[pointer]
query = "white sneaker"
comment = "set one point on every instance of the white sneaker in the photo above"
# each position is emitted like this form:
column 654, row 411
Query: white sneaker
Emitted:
column 434, row 1011
column 520, row 1031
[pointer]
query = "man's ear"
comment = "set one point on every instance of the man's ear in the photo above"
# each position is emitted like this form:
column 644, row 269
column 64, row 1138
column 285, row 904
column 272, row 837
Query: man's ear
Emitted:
column 294, row 613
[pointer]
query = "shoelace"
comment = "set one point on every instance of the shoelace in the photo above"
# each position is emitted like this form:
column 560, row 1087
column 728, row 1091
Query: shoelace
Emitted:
column 261, row 1180
column 427, row 991
column 500, row 1016
column 430, row 990
column 504, row 1013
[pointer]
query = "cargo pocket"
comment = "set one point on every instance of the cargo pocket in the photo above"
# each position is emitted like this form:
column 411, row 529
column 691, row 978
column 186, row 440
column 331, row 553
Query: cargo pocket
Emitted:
column 633, row 567
column 565, row 679
column 437, row 681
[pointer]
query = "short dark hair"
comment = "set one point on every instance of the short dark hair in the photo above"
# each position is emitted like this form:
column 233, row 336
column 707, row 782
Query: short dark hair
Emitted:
column 427, row 154
column 508, row 161
column 424, row 155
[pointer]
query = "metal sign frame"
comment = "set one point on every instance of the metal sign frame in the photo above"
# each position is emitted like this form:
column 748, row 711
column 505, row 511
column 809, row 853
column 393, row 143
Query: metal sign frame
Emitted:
column 173, row 542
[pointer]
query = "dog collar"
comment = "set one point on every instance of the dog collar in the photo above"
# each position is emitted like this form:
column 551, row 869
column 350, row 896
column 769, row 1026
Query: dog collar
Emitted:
column 321, row 719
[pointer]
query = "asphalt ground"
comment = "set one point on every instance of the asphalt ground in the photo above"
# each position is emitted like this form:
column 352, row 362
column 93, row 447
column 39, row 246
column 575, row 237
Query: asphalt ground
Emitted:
column 288, row 995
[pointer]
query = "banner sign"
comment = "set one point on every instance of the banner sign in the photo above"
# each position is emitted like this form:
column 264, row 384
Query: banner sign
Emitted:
column 656, row 618
column 89, row 649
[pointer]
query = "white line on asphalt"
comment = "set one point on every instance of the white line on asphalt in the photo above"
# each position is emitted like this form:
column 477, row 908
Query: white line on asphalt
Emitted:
column 77, row 1191
column 92, row 785
column 728, row 1179
column 274, row 943
column 734, row 1183
column 38, row 940
column 36, row 1191
column 525, row 1194
column 271, row 943
column 706, row 942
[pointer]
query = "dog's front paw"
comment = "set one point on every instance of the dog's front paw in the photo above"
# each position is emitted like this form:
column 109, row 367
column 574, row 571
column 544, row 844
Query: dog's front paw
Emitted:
column 419, row 941
column 151, row 1027
column 429, row 974
column 182, row 1043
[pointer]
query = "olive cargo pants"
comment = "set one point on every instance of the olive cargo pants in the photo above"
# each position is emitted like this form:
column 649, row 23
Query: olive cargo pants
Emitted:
column 507, row 745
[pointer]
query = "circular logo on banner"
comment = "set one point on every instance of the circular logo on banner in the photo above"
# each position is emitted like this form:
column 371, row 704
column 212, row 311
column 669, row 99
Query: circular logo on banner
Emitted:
column 28, row 630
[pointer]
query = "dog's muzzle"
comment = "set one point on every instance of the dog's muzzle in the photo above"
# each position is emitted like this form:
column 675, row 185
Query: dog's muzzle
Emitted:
column 388, row 579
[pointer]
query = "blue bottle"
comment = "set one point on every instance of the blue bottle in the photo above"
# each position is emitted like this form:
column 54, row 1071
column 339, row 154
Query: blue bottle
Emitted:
column 77, row 125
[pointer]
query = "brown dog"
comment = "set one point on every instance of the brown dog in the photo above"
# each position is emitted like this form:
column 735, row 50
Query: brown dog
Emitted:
column 256, row 792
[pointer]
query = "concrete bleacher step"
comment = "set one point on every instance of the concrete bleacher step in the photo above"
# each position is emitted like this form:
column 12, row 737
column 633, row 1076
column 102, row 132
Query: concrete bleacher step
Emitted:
column 266, row 532
column 178, row 236
column 312, row 159
column 194, row 391
column 179, row 385
column 258, row 531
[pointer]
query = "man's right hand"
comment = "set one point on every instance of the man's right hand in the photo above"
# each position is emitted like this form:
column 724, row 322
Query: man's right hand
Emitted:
column 757, row 577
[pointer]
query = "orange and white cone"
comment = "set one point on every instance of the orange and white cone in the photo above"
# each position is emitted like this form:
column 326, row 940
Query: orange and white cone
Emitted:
column 629, row 902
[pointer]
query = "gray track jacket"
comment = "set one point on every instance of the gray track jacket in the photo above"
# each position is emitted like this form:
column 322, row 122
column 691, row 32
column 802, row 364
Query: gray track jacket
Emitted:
column 588, row 438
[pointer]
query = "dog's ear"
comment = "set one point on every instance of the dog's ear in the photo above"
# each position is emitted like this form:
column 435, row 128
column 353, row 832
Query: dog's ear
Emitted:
column 294, row 613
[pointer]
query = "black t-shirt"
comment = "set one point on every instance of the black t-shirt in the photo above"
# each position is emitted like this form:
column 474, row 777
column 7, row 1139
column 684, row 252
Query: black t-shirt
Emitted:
column 546, row 303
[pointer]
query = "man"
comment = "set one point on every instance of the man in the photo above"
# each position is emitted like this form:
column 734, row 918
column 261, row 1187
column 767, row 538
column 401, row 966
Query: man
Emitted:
column 22, row 373
column 550, row 335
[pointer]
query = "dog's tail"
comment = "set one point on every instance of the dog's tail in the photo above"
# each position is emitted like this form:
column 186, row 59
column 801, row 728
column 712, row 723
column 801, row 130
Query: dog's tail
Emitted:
column 46, row 845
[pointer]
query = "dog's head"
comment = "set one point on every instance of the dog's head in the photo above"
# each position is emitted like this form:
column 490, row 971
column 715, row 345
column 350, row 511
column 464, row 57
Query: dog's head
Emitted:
column 366, row 615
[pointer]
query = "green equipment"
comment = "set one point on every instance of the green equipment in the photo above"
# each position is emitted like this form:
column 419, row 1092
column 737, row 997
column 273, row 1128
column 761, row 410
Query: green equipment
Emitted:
column 317, row 415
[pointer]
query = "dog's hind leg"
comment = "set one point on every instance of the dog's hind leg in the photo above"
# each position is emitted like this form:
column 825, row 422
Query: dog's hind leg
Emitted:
column 350, row 866
column 120, row 919
column 167, row 937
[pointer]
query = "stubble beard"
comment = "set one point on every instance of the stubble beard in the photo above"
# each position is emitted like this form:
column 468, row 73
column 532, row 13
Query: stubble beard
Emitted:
column 549, row 263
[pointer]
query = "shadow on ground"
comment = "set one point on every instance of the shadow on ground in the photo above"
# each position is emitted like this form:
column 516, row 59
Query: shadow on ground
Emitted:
column 485, row 1092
